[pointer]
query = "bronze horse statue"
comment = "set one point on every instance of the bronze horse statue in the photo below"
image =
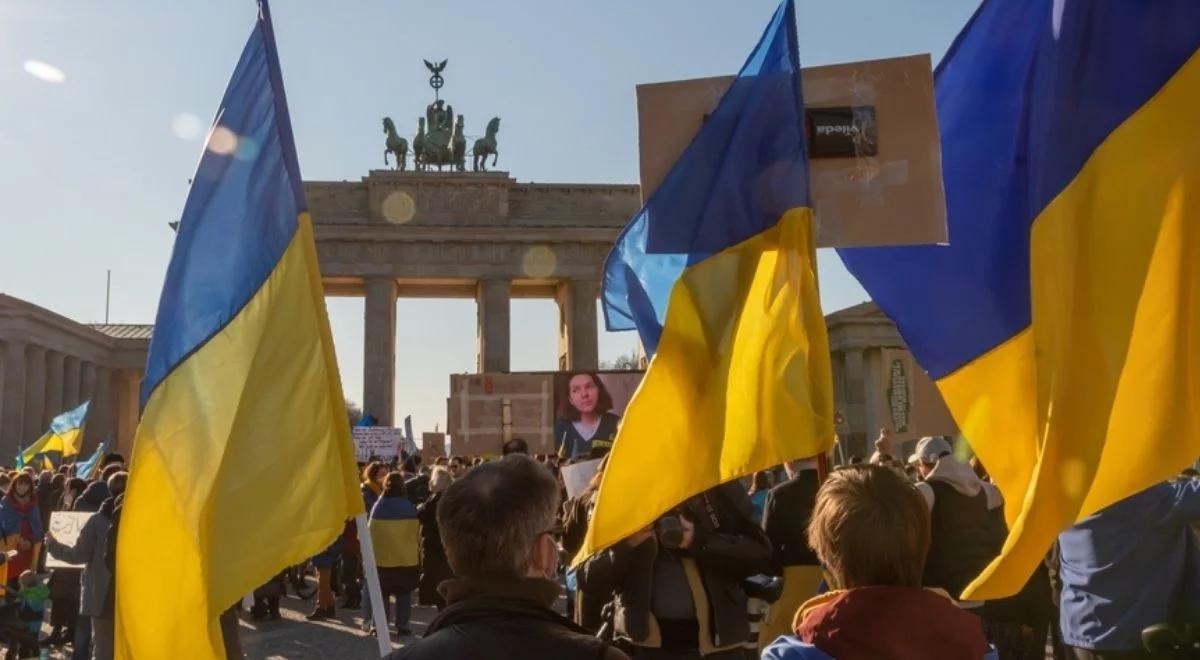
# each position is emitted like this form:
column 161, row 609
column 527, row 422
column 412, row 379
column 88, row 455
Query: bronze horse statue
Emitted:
column 396, row 145
column 486, row 146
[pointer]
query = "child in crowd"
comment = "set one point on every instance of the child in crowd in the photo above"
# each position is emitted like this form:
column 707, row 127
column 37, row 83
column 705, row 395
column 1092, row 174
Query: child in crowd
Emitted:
column 31, row 601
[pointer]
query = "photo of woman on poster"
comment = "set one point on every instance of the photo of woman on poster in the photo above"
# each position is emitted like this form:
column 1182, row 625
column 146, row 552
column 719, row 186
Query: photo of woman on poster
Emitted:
column 585, row 424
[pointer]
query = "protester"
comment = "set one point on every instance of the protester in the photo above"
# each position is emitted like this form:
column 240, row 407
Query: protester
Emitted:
column 587, row 605
column 372, row 483
column 872, row 532
column 685, row 569
column 786, row 514
column 97, row 492
column 351, row 565
column 497, row 526
column 49, row 491
column 21, row 527
column 1131, row 565
column 64, row 582
column 759, row 488
column 395, row 536
column 95, row 627
column 585, row 424
column 968, row 531
column 434, row 567
column 458, row 466
column 515, row 446
column 324, row 562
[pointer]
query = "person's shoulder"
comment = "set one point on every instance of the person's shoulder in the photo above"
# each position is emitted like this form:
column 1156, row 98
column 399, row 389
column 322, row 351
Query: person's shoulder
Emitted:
column 789, row 647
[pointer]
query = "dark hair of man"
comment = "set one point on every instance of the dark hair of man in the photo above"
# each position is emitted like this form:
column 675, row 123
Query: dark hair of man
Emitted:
column 393, row 485
column 567, row 411
column 492, row 516
column 116, row 483
column 870, row 527
column 108, row 471
column 515, row 446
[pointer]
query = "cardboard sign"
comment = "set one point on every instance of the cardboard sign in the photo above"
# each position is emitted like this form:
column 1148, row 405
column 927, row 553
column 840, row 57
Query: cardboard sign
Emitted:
column 376, row 441
column 577, row 476
column 889, row 192
column 65, row 527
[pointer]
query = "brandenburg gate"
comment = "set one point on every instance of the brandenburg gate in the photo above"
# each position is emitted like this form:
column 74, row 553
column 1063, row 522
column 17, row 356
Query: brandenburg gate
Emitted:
column 478, row 235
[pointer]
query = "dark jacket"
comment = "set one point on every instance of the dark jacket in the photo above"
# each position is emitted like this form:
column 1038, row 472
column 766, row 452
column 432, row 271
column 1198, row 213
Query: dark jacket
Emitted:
column 434, row 567
column 91, row 550
column 93, row 496
column 569, row 444
column 727, row 548
column 785, row 519
column 509, row 620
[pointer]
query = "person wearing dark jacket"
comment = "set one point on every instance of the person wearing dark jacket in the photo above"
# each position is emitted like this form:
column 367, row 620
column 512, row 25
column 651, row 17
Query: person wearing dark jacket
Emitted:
column 96, row 492
column 91, row 548
column 685, row 602
column 785, row 520
column 497, row 525
column 434, row 567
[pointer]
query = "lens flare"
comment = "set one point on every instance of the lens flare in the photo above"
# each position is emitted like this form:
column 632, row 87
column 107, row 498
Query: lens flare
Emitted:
column 222, row 141
column 398, row 207
column 44, row 72
column 186, row 126
column 539, row 261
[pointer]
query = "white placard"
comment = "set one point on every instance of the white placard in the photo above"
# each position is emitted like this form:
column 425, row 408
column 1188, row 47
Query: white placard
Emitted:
column 65, row 527
column 577, row 476
column 378, row 441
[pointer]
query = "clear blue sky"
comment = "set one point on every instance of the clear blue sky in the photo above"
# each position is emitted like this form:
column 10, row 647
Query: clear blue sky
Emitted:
column 93, row 167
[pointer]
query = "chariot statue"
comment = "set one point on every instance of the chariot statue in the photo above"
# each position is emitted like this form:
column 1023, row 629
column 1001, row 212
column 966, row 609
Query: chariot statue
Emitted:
column 441, row 139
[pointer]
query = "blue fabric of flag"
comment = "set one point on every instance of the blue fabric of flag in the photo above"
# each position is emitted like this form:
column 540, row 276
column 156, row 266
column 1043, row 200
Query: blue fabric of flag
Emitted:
column 248, row 166
column 954, row 303
column 733, row 181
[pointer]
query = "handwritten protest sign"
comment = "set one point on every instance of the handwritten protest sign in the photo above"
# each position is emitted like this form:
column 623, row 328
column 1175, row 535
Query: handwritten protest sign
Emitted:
column 65, row 527
column 378, row 441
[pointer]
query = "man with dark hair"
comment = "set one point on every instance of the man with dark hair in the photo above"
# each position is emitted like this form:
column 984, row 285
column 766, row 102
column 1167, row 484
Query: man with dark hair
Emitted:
column 515, row 446
column 497, row 525
column 871, row 532
column 785, row 520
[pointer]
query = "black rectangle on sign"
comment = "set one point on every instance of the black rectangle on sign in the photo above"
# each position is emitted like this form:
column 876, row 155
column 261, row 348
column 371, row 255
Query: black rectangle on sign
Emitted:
column 841, row 132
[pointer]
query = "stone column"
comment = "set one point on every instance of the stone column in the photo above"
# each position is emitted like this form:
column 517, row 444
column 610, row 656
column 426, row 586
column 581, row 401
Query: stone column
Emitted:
column 35, row 393
column 125, row 418
column 72, row 377
column 492, row 303
column 12, row 406
column 87, row 384
column 54, row 383
column 578, row 343
column 100, row 415
column 379, row 350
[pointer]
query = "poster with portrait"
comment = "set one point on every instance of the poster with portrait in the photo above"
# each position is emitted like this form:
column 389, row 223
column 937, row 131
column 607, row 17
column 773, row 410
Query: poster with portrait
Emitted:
column 588, row 406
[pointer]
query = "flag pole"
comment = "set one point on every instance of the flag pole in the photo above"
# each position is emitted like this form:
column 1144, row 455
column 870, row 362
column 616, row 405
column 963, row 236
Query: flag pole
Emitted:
column 374, row 592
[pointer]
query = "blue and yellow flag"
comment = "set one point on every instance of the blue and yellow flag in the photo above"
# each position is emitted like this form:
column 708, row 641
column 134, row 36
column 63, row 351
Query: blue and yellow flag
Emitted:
column 717, row 273
column 63, row 440
column 84, row 469
column 242, row 463
column 1061, row 322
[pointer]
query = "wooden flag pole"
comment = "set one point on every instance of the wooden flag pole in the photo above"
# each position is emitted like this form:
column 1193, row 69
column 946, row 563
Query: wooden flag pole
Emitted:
column 374, row 592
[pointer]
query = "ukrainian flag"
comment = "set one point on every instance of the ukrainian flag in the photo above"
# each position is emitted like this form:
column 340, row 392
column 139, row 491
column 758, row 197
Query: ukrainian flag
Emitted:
column 63, row 440
column 717, row 273
column 1061, row 321
column 242, row 463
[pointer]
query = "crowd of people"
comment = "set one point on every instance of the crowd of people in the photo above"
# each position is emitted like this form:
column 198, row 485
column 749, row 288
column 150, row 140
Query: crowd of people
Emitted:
column 861, row 560
column 79, row 597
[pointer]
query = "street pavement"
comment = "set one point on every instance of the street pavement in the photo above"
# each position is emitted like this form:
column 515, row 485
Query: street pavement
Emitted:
column 294, row 638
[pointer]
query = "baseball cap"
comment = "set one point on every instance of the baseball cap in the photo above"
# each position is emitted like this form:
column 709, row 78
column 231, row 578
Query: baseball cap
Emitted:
column 931, row 448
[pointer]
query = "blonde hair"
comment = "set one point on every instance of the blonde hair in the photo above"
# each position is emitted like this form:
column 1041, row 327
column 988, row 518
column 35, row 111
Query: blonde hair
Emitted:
column 439, row 479
column 870, row 527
